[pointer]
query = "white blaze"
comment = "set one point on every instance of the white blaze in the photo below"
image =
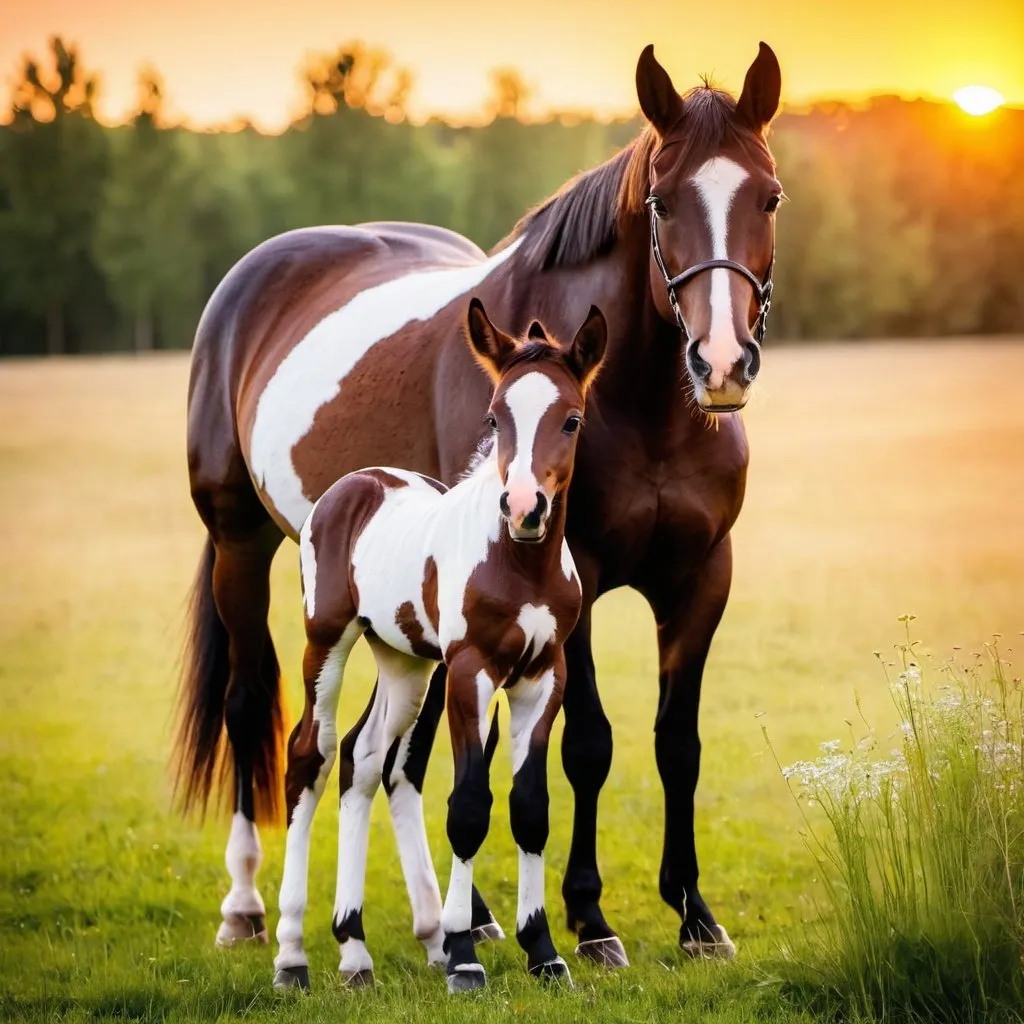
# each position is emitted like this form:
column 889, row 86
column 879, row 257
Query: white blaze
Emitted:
column 716, row 183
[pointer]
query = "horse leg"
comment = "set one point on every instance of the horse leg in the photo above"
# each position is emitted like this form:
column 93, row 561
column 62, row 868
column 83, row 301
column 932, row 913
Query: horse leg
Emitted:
column 687, row 616
column 534, row 704
column 241, row 592
column 411, row 726
column 311, row 752
column 470, row 689
column 587, row 759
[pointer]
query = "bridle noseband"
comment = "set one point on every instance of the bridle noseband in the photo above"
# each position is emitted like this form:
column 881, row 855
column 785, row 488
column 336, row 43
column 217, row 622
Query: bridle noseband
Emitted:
column 762, row 289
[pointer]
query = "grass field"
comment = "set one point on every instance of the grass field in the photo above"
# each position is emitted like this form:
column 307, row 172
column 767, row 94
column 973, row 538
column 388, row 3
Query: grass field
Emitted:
column 885, row 479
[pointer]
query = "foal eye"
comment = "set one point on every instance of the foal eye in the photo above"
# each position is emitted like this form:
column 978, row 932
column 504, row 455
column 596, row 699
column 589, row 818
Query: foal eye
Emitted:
column 491, row 421
column 657, row 204
column 773, row 204
column 572, row 424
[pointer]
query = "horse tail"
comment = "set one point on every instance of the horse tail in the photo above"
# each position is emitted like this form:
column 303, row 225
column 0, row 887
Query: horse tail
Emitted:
column 198, row 754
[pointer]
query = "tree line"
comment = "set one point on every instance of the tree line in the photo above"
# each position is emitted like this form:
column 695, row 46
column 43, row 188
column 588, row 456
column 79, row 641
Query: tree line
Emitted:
column 904, row 218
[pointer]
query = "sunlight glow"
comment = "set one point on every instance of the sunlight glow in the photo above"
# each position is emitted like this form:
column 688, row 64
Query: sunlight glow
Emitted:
column 978, row 99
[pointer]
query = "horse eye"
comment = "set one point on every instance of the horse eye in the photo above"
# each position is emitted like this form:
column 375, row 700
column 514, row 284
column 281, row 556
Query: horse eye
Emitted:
column 491, row 421
column 773, row 204
column 657, row 204
column 572, row 424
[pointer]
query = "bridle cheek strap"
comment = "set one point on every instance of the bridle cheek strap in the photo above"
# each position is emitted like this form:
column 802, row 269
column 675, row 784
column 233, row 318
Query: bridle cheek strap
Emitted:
column 762, row 289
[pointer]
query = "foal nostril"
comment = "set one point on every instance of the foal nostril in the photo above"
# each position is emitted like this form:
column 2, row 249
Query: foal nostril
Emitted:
column 533, row 520
column 700, row 369
column 751, row 361
column 503, row 504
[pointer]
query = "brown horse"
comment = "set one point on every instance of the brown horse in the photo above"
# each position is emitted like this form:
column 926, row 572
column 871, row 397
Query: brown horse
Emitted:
column 479, row 577
column 330, row 349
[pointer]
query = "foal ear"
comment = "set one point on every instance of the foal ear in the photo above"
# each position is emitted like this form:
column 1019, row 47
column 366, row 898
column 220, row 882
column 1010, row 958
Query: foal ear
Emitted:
column 659, row 101
column 587, row 351
column 759, row 101
column 491, row 348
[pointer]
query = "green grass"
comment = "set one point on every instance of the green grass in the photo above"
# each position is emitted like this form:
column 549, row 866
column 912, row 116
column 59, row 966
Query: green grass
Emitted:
column 902, row 494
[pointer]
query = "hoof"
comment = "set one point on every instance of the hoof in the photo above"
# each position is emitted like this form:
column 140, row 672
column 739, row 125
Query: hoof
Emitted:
column 717, row 947
column 554, row 971
column 607, row 952
column 288, row 978
column 467, row 978
column 237, row 928
column 490, row 932
column 358, row 979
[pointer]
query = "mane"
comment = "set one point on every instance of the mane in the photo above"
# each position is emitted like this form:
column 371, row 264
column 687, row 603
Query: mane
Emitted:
column 583, row 220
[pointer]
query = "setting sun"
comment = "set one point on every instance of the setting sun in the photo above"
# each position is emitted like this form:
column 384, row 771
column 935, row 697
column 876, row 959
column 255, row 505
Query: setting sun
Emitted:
column 978, row 99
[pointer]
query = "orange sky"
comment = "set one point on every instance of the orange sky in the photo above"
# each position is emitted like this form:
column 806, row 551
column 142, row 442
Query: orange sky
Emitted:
column 222, row 60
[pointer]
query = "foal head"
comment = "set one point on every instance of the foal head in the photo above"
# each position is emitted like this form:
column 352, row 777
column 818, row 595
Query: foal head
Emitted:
column 710, row 187
column 535, row 414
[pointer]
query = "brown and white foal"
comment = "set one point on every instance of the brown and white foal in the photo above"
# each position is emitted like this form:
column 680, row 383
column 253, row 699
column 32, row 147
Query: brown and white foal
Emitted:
column 480, row 577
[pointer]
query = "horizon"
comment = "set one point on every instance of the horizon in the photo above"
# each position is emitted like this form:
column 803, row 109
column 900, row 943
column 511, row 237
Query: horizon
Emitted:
column 570, row 64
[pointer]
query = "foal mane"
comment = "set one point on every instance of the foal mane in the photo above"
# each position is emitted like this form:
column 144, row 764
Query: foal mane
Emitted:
column 583, row 220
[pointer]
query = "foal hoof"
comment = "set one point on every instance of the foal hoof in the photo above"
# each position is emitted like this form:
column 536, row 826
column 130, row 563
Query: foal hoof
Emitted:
column 608, row 952
column 467, row 978
column 490, row 931
column 288, row 978
column 553, row 972
column 717, row 946
column 358, row 979
column 237, row 928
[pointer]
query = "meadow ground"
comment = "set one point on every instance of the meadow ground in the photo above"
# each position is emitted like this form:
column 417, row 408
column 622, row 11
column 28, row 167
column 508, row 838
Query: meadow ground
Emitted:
column 885, row 478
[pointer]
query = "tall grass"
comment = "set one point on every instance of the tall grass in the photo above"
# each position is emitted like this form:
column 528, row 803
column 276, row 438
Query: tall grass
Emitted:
column 921, row 853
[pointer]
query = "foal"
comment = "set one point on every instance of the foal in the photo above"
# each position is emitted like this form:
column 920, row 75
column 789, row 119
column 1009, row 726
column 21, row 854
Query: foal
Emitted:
column 480, row 577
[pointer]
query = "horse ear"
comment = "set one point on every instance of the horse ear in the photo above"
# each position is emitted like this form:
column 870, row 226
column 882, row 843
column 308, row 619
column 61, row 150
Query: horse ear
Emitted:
column 759, row 101
column 587, row 351
column 491, row 348
column 659, row 101
column 537, row 332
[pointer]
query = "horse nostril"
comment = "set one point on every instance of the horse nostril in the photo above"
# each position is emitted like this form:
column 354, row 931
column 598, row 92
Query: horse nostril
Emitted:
column 700, row 370
column 533, row 520
column 542, row 504
column 503, row 504
column 751, row 360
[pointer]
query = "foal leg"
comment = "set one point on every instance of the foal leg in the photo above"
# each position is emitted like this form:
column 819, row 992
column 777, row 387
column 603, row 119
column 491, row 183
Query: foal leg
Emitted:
column 311, row 753
column 534, row 703
column 470, row 689
column 687, row 616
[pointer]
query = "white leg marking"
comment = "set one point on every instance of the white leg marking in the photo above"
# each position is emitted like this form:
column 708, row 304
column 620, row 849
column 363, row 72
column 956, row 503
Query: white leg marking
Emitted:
column 293, row 885
column 312, row 373
column 457, row 915
column 484, row 695
column 242, row 857
column 527, row 701
column 294, row 878
column 531, row 887
column 717, row 182
column 354, row 812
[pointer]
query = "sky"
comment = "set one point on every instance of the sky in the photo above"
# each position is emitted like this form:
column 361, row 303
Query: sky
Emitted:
column 223, row 61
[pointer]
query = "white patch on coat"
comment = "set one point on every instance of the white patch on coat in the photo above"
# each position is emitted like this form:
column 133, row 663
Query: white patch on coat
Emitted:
column 538, row 626
column 569, row 564
column 457, row 915
column 527, row 701
column 312, row 373
column 307, row 565
column 527, row 399
column 717, row 182
column 531, row 887
column 415, row 523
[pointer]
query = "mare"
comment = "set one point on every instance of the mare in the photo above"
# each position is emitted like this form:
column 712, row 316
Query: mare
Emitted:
column 329, row 349
column 478, row 577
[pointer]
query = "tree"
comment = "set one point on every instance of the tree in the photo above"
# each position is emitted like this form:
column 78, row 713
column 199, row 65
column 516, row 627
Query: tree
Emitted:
column 51, row 178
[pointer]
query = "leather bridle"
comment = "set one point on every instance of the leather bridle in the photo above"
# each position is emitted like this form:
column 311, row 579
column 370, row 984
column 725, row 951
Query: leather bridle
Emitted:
column 762, row 289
